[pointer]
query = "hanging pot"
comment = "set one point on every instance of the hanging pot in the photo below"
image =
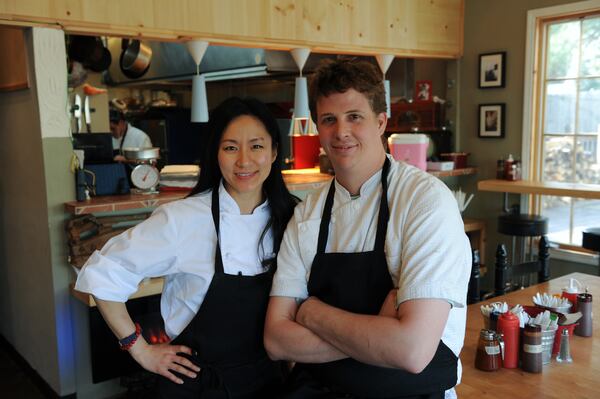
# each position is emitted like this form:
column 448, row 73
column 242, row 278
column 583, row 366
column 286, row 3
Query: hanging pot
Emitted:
column 135, row 58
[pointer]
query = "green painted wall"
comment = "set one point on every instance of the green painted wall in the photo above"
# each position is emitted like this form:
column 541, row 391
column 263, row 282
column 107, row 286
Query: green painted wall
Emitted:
column 494, row 26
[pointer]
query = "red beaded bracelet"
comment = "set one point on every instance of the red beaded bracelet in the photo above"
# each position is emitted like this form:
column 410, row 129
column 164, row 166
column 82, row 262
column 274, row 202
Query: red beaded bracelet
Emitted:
column 127, row 342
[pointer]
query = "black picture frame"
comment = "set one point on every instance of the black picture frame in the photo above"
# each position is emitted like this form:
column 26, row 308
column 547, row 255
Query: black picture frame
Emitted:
column 492, row 70
column 491, row 120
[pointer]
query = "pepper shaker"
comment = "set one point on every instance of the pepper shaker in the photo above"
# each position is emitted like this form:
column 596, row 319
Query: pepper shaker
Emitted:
column 584, row 305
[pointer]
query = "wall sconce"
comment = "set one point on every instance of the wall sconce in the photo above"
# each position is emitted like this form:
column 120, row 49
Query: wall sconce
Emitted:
column 384, row 61
column 302, row 124
column 197, row 48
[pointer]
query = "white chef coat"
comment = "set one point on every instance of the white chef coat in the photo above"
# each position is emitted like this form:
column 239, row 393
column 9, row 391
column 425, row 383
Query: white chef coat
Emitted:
column 179, row 242
column 427, row 251
column 134, row 138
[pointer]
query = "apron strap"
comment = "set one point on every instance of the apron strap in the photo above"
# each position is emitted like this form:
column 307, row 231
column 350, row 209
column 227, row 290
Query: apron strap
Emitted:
column 384, row 210
column 382, row 221
column 123, row 139
column 214, row 207
column 325, row 218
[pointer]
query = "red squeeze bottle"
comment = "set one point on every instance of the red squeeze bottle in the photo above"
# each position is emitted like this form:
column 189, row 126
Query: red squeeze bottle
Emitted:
column 508, row 325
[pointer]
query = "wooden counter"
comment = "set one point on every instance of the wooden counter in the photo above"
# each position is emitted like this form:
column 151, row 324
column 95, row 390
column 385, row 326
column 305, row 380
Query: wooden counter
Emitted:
column 295, row 180
column 576, row 380
column 577, row 190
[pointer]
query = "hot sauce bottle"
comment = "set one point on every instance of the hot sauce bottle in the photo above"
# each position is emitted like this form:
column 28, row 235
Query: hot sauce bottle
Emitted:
column 532, row 349
column 488, row 357
column 508, row 326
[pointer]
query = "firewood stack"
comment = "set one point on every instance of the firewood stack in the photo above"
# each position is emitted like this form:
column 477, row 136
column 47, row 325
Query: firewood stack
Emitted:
column 88, row 233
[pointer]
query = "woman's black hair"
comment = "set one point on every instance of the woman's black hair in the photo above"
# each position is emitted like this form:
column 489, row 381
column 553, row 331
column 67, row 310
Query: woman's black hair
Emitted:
column 281, row 202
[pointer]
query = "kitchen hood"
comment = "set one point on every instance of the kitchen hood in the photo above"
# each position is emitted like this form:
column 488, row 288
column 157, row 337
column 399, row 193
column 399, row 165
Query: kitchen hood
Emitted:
column 172, row 63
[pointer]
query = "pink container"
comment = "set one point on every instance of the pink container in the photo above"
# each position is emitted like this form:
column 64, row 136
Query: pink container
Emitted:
column 409, row 148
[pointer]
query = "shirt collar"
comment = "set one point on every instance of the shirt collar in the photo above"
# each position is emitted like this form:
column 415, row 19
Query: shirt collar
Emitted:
column 367, row 187
column 228, row 205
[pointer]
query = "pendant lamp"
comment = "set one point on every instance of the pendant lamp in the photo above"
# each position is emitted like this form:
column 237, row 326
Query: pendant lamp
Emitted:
column 197, row 48
column 384, row 61
column 301, row 122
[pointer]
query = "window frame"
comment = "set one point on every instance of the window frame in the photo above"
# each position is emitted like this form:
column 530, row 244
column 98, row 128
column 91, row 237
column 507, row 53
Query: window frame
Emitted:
column 533, row 91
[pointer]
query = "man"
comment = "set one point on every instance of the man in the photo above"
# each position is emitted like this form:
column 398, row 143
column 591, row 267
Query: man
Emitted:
column 125, row 135
column 370, row 291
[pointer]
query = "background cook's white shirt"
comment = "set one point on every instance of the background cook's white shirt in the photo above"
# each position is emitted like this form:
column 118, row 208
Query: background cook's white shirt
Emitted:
column 427, row 251
column 178, row 241
column 134, row 138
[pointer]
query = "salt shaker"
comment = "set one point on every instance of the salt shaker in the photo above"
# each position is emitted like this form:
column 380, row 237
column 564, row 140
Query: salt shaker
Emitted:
column 564, row 356
column 584, row 305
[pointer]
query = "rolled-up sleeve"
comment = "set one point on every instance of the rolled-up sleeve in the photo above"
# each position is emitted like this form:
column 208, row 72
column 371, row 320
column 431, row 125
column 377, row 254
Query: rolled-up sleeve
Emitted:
column 436, row 253
column 291, row 278
column 146, row 250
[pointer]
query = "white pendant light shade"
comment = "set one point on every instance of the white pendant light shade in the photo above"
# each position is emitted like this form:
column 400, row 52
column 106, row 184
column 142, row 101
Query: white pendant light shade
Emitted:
column 197, row 48
column 384, row 61
column 386, row 86
column 199, row 101
column 300, row 56
column 301, row 109
column 301, row 123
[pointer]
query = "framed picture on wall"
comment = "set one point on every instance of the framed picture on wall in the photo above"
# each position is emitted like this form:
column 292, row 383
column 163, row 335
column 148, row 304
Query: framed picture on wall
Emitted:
column 423, row 91
column 491, row 120
column 492, row 70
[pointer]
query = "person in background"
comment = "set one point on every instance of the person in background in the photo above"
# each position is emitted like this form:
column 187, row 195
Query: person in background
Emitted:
column 370, row 291
column 217, row 250
column 124, row 134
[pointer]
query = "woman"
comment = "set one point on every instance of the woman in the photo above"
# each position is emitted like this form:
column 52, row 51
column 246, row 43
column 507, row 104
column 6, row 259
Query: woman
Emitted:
column 217, row 250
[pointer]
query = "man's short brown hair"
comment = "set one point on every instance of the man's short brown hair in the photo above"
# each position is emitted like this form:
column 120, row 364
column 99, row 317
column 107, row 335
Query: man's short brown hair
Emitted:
column 340, row 75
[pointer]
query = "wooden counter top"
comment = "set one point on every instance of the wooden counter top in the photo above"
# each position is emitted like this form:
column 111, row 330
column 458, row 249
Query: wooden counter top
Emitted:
column 296, row 180
column 578, row 190
column 575, row 380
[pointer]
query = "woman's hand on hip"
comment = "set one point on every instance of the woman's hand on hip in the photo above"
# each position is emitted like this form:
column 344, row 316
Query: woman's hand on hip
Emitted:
column 164, row 358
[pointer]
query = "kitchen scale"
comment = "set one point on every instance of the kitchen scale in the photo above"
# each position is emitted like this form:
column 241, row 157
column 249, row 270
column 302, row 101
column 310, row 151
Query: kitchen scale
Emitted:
column 144, row 176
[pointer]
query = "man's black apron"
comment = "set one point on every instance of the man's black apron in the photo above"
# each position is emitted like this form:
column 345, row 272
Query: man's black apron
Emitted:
column 226, row 336
column 359, row 283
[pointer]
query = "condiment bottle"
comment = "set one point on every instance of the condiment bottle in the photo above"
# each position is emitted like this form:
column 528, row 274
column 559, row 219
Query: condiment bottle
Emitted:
column 584, row 305
column 488, row 357
column 508, row 326
column 500, row 169
column 508, row 163
column 532, row 349
column 571, row 292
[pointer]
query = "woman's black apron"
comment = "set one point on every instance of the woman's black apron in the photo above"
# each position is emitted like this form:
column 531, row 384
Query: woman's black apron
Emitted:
column 359, row 283
column 226, row 336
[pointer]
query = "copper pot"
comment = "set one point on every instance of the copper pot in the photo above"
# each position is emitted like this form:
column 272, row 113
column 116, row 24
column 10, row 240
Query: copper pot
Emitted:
column 135, row 58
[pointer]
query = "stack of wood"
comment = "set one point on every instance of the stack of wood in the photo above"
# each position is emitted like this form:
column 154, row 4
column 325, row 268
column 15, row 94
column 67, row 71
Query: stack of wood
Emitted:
column 88, row 233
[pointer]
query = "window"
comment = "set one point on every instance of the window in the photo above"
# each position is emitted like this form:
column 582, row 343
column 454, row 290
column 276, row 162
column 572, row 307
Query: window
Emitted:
column 564, row 144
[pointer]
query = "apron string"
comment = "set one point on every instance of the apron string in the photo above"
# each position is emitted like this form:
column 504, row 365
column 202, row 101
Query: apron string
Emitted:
column 214, row 207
